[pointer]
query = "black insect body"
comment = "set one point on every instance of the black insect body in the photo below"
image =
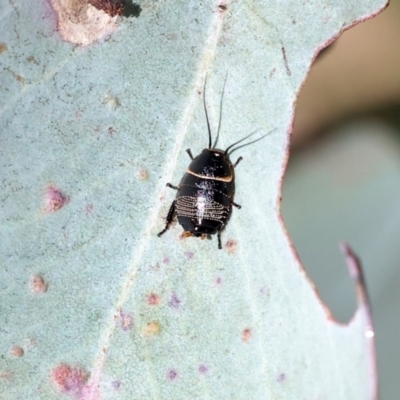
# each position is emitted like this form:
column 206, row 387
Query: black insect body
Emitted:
column 204, row 198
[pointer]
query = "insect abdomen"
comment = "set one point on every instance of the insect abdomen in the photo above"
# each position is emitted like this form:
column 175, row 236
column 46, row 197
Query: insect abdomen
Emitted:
column 200, row 207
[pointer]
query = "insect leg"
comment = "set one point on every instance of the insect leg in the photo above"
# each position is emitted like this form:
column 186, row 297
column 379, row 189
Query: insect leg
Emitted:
column 236, row 205
column 219, row 239
column 172, row 186
column 170, row 217
column 237, row 162
column 190, row 153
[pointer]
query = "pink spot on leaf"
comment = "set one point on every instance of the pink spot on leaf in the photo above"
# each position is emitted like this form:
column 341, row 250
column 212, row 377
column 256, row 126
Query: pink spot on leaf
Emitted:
column 218, row 280
column 231, row 246
column 203, row 369
column 55, row 199
column 70, row 380
column 246, row 335
column 172, row 375
column 153, row 299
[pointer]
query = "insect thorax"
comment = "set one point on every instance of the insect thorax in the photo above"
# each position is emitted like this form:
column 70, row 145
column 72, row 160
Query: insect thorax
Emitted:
column 212, row 164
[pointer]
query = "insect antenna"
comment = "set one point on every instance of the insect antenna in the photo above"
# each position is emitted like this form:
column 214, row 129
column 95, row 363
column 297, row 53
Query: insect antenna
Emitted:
column 227, row 152
column 220, row 112
column 205, row 109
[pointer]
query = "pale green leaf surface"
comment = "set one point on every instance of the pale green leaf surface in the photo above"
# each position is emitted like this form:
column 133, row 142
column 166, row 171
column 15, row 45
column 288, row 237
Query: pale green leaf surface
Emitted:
column 244, row 324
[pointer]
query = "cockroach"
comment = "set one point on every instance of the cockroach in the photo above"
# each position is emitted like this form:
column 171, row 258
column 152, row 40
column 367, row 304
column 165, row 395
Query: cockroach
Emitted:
column 204, row 198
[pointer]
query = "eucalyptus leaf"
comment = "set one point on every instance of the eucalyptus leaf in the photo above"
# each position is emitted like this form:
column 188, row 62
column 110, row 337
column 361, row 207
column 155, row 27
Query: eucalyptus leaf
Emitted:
column 94, row 304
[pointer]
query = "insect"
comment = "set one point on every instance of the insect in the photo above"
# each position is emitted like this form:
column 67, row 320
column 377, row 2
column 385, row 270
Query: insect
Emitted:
column 204, row 198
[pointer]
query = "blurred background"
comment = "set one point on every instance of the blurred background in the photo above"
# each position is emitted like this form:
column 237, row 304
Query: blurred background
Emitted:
column 343, row 178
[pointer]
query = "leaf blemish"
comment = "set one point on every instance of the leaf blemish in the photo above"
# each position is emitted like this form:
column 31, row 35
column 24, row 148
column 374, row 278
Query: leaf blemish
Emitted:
column 190, row 255
column 203, row 369
column 17, row 351
column 143, row 174
column 153, row 299
column 155, row 267
column 7, row 375
column 281, row 378
column 3, row 47
column 88, row 209
column 20, row 79
column 125, row 321
column 172, row 375
column 70, row 380
column 174, row 302
column 222, row 7
column 111, row 101
column 231, row 246
column 32, row 60
column 38, row 284
column 264, row 291
column 116, row 384
column 286, row 61
column 218, row 280
column 246, row 335
column 80, row 23
column 55, row 199
column 152, row 328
